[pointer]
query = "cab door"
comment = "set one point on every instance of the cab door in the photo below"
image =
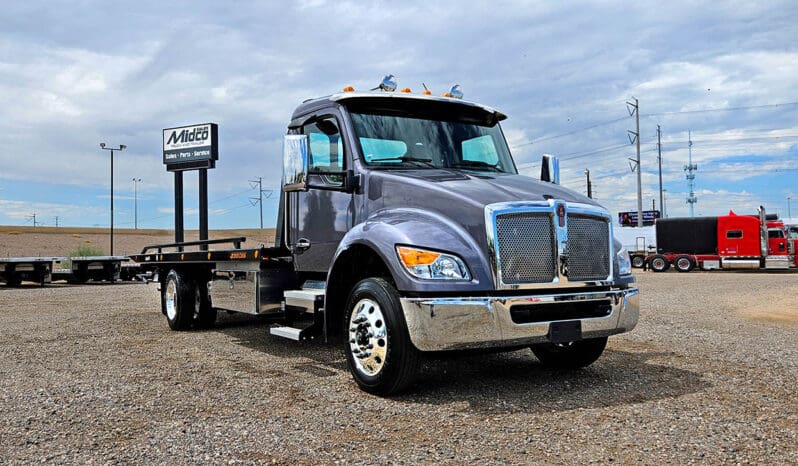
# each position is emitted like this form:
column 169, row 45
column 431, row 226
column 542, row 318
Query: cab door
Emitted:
column 321, row 216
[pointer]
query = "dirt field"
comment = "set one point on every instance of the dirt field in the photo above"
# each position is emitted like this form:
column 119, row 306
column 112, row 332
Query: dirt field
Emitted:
column 92, row 374
column 49, row 241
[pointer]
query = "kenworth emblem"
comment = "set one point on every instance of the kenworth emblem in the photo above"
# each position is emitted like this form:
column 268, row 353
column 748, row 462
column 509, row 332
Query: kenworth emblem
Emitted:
column 561, row 215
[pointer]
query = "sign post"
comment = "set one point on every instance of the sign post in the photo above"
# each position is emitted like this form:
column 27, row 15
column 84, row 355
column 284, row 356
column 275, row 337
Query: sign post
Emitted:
column 194, row 147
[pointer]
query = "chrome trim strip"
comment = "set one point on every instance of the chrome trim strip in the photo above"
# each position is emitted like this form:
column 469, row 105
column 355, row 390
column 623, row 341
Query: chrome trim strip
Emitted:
column 549, row 207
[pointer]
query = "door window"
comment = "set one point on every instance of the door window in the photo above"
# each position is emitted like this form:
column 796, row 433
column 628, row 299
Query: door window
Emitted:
column 326, row 152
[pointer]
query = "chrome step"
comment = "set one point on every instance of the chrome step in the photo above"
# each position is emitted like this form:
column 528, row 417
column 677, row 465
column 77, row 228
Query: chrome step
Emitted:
column 309, row 298
column 286, row 332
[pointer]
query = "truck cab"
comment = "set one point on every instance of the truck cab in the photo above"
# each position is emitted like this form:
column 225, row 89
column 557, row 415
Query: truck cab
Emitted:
column 421, row 193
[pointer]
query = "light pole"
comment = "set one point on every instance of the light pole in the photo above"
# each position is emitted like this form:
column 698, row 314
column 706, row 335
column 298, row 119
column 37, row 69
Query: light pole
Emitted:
column 789, row 214
column 136, row 181
column 112, row 149
column 664, row 203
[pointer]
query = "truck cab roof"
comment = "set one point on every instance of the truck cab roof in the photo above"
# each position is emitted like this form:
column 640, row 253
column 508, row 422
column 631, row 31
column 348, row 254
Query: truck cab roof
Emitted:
column 404, row 103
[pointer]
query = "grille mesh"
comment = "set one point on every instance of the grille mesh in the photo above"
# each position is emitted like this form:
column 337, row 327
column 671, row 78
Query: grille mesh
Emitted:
column 527, row 245
column 526, row 248
column 588, row 248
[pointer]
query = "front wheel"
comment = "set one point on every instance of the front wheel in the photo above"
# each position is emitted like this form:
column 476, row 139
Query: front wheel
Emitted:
column 570, row 355
column 381, row 357
column 638, row 261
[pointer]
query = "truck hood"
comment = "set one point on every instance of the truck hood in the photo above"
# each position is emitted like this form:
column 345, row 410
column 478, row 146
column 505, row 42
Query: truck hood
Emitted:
column 453, row 192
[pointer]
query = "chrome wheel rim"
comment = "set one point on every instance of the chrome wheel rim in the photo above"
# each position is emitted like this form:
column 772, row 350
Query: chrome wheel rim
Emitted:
column 171, row 292
column 684, row 264
column 658, row 263
column 368, row 337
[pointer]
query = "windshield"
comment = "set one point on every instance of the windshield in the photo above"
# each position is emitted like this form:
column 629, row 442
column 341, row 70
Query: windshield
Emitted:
column 395, row 141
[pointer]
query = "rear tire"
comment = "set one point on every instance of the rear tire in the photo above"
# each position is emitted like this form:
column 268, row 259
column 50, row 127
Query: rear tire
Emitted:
column 206, row 314
column 179, row 300
column 571, row 355
column 381, row 356
column 659, row 263
column 638, row 261
column 684, row 263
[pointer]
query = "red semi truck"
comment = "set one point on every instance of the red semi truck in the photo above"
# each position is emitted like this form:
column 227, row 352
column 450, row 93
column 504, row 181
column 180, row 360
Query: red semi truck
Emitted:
column 725, row 242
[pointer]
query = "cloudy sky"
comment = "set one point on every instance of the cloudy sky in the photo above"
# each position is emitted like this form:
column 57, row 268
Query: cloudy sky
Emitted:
column 74, row 74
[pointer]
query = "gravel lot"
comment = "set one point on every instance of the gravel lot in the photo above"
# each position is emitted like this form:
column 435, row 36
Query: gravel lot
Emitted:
column 92, row 374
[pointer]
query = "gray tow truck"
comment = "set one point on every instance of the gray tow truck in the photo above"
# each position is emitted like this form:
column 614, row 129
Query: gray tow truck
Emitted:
column 404, row 228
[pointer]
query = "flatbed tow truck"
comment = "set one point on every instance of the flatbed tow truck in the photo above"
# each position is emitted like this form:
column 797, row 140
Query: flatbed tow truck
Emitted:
column 404, row 228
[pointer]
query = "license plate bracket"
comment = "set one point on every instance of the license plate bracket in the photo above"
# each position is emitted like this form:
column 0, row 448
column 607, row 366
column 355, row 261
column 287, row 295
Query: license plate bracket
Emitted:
column 565, row 331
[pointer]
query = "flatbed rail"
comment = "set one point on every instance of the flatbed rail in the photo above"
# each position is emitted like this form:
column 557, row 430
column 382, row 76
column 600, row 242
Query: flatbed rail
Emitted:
column 235, row 241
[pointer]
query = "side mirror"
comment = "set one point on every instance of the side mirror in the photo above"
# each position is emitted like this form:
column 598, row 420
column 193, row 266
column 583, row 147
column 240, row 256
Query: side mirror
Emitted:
column 295, row 162
column 550, row 169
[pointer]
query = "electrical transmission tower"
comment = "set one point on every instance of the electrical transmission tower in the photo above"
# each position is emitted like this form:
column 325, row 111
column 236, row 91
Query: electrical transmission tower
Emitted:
column 33, row 217
column 634, row 109
column 690, row 168
column 259, row 200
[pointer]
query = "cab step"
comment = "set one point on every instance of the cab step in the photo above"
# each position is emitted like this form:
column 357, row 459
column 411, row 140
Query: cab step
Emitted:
column 298, row 334
column 311, row 299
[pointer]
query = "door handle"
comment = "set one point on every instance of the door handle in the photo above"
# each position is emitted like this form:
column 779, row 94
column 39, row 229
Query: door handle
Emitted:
column 302, row 244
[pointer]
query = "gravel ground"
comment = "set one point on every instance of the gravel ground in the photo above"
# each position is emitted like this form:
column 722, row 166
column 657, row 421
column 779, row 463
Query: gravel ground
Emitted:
column 92, row 374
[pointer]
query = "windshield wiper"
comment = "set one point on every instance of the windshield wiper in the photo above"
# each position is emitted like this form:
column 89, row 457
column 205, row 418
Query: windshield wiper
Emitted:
column 405, row 158
column 476, row 164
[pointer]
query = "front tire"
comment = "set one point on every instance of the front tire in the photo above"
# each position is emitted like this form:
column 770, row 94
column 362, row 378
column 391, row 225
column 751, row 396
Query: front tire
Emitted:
column 638, row 261
column 381, row 357
column 570, row 355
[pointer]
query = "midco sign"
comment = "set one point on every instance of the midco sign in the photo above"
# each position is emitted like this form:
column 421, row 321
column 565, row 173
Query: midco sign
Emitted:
column 191, row 147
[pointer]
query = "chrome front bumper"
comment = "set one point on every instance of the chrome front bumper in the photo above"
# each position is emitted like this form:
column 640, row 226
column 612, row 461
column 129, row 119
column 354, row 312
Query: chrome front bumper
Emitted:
column 437, row 324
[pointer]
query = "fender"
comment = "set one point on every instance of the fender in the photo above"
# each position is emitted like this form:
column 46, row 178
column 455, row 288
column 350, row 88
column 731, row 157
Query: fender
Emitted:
column 387, row 228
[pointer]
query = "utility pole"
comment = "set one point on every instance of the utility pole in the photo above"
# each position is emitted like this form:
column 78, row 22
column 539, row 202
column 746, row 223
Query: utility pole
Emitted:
column 659, row 161
column 33, row 216
column 789, row 214
column 259, row 200
column 634, row 109
column 589, row 184
column 136, row 181
column 56, row 221
column 690, row 168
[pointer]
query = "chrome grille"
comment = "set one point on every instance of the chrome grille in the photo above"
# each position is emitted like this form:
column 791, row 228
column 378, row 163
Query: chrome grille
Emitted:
column 526, row 248
column 588, row 248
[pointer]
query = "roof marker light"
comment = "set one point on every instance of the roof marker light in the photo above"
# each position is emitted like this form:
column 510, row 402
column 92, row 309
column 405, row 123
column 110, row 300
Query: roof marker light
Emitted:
column 407, row 90
column 349, row 89
column 426, row 91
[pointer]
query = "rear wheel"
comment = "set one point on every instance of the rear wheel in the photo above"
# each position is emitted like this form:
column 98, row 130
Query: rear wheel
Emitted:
column 570, row 355
column 659, row 263
column 179, row 300
column 638, row 261
column 684, row 263
column 206, row 314
column 381, row 357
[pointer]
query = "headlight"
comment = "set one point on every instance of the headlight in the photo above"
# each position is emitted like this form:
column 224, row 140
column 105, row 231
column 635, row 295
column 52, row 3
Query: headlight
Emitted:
column 624, row 263
column 421, row 263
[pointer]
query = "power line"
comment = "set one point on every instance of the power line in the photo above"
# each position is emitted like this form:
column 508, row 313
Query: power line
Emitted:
column 729, row 109
column 587, row 128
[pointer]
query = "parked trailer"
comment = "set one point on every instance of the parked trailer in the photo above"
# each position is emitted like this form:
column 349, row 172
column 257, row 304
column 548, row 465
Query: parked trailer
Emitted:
column 15, row 270
column 405, row 228
column 725, row 242
column 42, row 270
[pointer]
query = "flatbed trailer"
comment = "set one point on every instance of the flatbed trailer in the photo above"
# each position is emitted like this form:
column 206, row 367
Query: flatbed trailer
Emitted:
column 15, row 270
column 42, row 270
